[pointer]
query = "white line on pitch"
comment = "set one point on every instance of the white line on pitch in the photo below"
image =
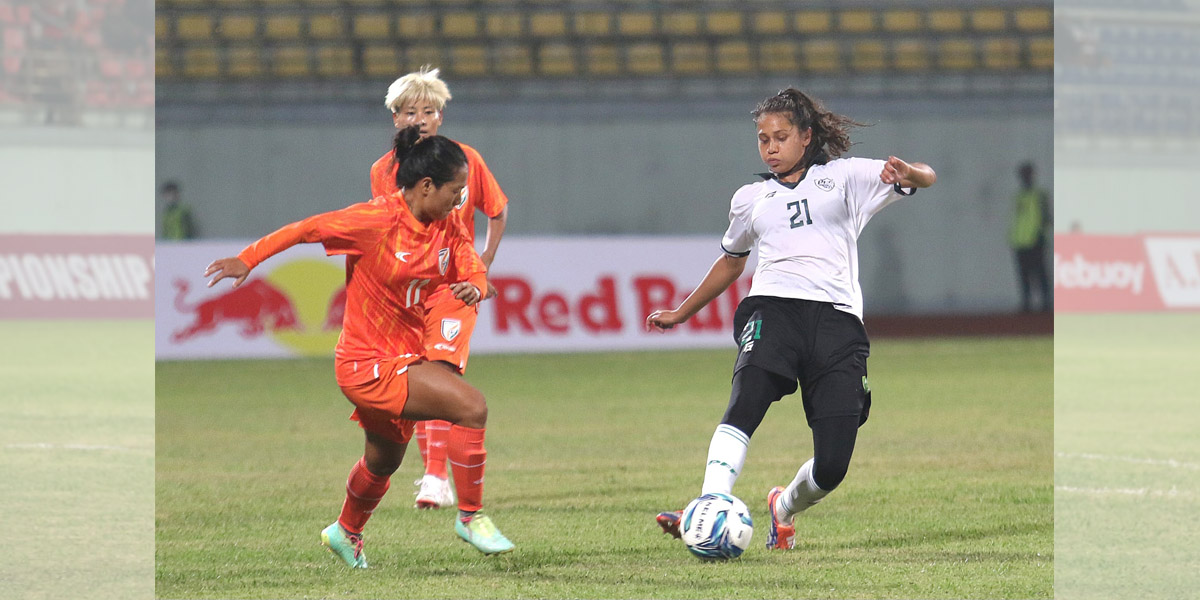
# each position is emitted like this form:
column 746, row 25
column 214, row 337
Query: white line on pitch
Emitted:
column 45, row 446
column 1143, row 492
column 1168, row 462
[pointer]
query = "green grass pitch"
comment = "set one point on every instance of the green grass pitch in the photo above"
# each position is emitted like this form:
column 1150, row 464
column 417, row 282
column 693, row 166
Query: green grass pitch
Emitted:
column 77, row 459
column 950, row 494
column 1127, row 449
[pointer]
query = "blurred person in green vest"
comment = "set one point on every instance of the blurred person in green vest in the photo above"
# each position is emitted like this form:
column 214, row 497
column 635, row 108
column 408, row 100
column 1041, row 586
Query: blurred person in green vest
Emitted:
column 1027, row 236
column 177, row 216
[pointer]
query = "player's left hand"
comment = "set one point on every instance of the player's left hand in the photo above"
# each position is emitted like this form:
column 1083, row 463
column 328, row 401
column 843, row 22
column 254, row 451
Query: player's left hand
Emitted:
column 227, row 267
column 491, row 291
column 894, row 170
column 467, row 292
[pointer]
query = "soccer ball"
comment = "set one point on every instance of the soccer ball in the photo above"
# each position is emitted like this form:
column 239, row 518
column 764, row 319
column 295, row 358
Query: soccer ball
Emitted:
column 716, row 527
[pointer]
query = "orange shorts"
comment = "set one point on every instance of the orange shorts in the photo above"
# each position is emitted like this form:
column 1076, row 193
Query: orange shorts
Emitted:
column 378, row 403
column 448, row 327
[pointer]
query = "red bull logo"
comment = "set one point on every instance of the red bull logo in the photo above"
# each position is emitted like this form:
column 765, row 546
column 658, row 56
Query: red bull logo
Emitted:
column 336, row 311
column 253, row 308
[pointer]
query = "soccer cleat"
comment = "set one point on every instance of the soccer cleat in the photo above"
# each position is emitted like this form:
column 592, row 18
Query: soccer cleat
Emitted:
column 345, row 545
column 669, row 521
column 435, row 492
column 479, row 531
column 779, row 536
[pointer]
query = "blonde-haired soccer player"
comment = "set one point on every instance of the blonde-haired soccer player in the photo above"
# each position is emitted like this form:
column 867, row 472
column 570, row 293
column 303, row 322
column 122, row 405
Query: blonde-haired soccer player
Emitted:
column 419, row 98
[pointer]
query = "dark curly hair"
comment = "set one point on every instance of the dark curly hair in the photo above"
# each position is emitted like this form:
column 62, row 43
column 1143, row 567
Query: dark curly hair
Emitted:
column 831, row 137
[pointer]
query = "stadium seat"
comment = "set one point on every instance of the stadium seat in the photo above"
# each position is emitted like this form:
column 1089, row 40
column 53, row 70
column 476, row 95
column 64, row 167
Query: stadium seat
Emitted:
column 548, row 24
column 1002, row 53
column 416, row 26
column 556, row 60
column 503, row 25
column 690, row 58
column 416, row 57
column 822, row 56
column 282, row 27
column 635, row 23
column 335, row 61
column 779, row 56
column 602, row 60
column 901, row 20
column 989, row 19
column 380, row 61
column 856, row 21
column 868, row 55
column 945, row 20
column 734, row 58
column 162, row 27
column 910, row 55
column 956, row 55
column 644, row 59
column 200, row 63
column 244, row 62
column 770, row 22
column 593, row 23
column 1041, row 53
column 469, row 60
column 238, row 27
column 460, row 25
column 514, row 60
column 681, row 23
column 726, row 22
column 372, row 26
column 163, row 67
column 813, row 21
column 1034, row 19
column 290, row 61
column 326, row 27
column 194, row 27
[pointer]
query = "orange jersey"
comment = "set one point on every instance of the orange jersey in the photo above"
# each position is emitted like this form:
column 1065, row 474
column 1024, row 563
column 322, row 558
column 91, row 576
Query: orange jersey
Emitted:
column 482, row 192
column 397, row 262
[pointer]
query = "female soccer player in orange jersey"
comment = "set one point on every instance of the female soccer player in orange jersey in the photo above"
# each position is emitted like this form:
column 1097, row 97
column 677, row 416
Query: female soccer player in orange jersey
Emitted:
column 419, row 98
column 402, row 248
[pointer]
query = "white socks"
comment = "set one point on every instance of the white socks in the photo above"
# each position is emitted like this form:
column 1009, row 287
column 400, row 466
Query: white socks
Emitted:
column 800, row 494
column 726, row 455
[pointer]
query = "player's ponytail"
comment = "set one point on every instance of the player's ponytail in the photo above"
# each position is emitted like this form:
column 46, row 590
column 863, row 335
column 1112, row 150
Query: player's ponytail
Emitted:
column 831, row 131
column 435, row 157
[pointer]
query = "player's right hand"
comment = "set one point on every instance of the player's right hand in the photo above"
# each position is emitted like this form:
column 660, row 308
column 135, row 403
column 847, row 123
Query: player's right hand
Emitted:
column 662, row 320
column 227, row 267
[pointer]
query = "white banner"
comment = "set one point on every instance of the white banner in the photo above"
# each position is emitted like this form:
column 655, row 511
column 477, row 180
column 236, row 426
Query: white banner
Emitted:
column 555, row 295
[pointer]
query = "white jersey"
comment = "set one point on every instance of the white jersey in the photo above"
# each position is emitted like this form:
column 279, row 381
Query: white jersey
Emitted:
column 807, row 236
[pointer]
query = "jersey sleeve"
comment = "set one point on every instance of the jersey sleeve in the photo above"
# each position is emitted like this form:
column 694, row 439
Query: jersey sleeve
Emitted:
column 488, row 197
column 866, row 193
column 347, row 231
column 739, row 238
column 467, row 266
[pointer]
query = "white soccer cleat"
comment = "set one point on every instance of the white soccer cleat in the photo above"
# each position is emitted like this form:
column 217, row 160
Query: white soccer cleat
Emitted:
column 435, row 492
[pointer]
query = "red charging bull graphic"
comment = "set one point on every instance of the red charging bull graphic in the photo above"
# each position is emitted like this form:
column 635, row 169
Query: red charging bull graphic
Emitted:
column 254, row 307
column 336, row 311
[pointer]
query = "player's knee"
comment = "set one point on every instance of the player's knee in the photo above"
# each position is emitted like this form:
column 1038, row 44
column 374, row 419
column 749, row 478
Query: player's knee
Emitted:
column 474, row 410
column 828, row 474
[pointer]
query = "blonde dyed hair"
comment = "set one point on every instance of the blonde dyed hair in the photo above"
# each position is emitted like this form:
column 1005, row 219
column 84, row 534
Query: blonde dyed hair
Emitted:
column 419, row 86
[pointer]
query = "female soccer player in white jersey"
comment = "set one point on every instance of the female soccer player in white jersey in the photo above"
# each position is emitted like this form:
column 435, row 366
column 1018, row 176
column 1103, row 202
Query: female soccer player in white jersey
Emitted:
column 802, row 320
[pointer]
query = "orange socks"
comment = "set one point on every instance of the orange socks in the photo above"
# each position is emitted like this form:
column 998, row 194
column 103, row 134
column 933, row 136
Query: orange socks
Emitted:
column 437, row 435
column 364, row 490
column 467, row 458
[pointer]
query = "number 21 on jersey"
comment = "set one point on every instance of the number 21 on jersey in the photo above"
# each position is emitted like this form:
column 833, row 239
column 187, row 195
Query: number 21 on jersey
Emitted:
column 801, row 217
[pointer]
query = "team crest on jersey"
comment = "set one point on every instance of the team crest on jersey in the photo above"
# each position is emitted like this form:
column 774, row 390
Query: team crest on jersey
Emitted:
column 462, row 198
column 825, row 184
column 443, row 260
column 450, row 329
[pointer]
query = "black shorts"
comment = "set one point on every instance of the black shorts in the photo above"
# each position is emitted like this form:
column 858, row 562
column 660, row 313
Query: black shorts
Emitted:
column 812, row 343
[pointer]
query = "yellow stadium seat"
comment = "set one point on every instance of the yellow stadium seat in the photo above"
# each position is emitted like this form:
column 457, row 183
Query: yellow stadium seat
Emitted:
column 380, row 61
column 194, row 27
column 1041, row 53
column 335, row 61
column 371, row 26
column 991, row 19
column 644, row 59
column 681, row 23
column 419, row 56
column 726, row 22
column 779, row 56
column 635, row 23
column 290, row 61
column 822, row 56
column 856, row 21
column 238, row 27
column 460, row 25
column 244, row 61
column 556, row 60
column 770, row 22
column 602, row 59
column 1002, row 54
column 282, row 27
column 415, row 26
column 503, row 25
column 690, row 58
column 911, row 55
column 868, row 55
column 547, row 24
column 514, row 61
column 326, row 27
column 469, row 60
column 946, row 20
column 956, row 55
column 1034, row 19
column 734, row 57
column 901, row 20
column 592, row 23
column 813, row 21
column 163, row 68
column 201, row 63
column 162, row 27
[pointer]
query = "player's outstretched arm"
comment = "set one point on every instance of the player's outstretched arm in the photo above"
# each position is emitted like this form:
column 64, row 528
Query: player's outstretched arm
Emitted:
column 910, row 175
column 722, row 274
column 227, row 267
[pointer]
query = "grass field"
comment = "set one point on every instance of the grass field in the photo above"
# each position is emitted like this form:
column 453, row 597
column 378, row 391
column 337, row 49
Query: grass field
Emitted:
column 949, row 494
column 1127, row 447
column 77, row 459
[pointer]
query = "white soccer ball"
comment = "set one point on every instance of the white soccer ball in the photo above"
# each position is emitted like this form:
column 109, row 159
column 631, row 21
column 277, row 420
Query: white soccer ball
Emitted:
column 716, row 527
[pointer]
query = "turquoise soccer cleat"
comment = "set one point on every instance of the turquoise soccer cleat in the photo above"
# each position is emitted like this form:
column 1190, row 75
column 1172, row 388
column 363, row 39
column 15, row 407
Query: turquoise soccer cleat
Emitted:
column 479, row 531
column 346, row 546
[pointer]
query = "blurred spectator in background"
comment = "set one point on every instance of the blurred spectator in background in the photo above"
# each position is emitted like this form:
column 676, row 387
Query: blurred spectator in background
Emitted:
column 1027, row 236
column 177, row 216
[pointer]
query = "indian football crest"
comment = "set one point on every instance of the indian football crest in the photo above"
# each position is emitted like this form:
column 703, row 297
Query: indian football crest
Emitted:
column 443, row 260
column 450, row 329
column 462, row 198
